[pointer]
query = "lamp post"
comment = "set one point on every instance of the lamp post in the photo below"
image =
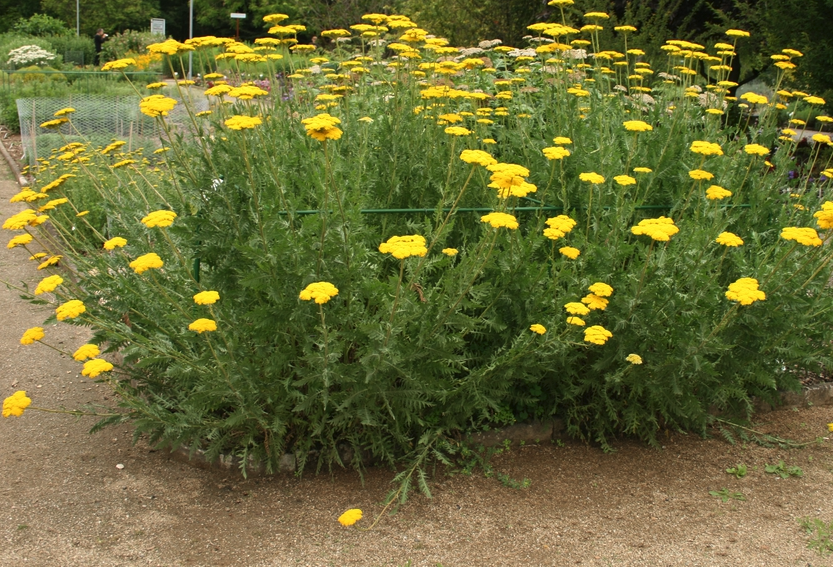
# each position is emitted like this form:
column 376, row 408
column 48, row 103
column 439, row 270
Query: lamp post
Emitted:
column 190, row 36
column 77, row 18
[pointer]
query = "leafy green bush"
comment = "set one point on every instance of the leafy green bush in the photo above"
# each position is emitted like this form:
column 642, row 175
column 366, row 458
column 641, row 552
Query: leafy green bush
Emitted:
column 40, row 25
column 74, row 49
column 532, row 239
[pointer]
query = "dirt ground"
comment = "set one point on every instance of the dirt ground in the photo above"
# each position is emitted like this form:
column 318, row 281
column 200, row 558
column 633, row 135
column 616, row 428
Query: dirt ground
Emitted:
column 64, row 499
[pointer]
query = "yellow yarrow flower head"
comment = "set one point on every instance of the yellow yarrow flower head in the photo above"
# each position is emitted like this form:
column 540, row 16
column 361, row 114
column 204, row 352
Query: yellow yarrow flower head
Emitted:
column 146, row 262
column 206, row 298
column 457, row 131
column 450, row 251
column 561, row 141
column 716, row 192
column 642, row 170
column 508, row 179
column 576, row 308
column 821, row 138
column 322, row 127
column 634, row 359
column 805, row 236
column 755, row 149
column 570, row 252
column 241, row 122
column 320, row 292
column 402, row 247
column 737, row 33
column 597, row 335
column 562, row 224
column 577, row 321
column 118, row 64
column 706, row 148
column 601, row 289
column 729, row 239
column 48, row 284
column 745, row 291
column 16, row 404
column 594, row 302
column 51, row 261
column 536, row 328
column 661, row 228
column 203, row 325
column 825, row 215
column 92, row 368
column 500, row 220
column 32, row 335
column 700, row 175
column 624, row 180
column 591, row 177
column 57, row 123
column 830, row 427
column 156, row 105
column 70, row 310
column 115, row 242
column 478, row 157
column 637, row 126
column 86, row 351
column 64, row 111
column 19, row 240
column 556, row 153
column 350, row 517
column 159, row 218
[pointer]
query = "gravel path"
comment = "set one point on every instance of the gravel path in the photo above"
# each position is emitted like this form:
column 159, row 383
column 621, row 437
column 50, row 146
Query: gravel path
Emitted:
column 63, row 500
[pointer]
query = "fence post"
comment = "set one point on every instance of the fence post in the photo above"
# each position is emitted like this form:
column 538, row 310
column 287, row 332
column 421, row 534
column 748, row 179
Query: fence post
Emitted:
column 33, row 135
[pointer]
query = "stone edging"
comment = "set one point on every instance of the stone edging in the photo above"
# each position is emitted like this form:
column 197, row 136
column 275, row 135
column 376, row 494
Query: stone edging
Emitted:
column 526, row 433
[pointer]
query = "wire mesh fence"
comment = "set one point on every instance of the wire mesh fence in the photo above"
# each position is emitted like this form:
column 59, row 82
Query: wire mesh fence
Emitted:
column 98, row 120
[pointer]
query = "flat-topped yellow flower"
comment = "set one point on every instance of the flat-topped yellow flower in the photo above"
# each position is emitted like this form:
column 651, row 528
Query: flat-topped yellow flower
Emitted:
column 562, row 141
column 19, row 240
column 825, row 215
column 576, row 308
column 661, row 229
column 16, row 404
column 32, row 335
column 146, row 262
column 729, row 239
column 115, row 242
column 118, row 64
column 203, row 325
column 805, row 236
column 737, row 33
column 500, row 220
column 70, row 310
column 577, row 321
column 700, row 175
column 716, row 192
column 706, row 148
column 402, row 247
column 478, row 157
column 597, row 335
column 594, row 302
column 322, row 127
column 161, row 218
column 569, row 252
column 350, row 517
column 556, row 153
column 537, row 328
column 755, row 149
column 591, row 177
column 745, row 291
column 92, row 368
column 624, row 180
column 48, row 284
column 206, row 298
column 241, row 122
column 637, row 126
column 86, row 351
column 450, row 251
column 642, row 170
column 156, row 105
column 634, row 359
column 457, row 131
column 601, row 289
column 320, row 292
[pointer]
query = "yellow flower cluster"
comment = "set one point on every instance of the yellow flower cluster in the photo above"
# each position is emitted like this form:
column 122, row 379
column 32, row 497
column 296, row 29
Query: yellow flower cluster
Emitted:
column 637, row 126
column 16, row 404
column 115, row 242
column 478, row 157
column 320, row 292
column 351, row 516
column 634, row 359
column 805, row 236
column 570, row 252
column 450, row 251
column 32, row 335
column 556, row 153
column 48, row 284
column 118, row 64
column 206, row 298
column 499, row 220
column 19, row 240
column 508, row 179
column 624, row 180
column 241, row 122
column 700, row 175
column 716, row 192
column 745, row 291
column 729, row 239
column 203, row 325
column 591, row 177
column 92, row 368
column 597, row 335
column 402, row 247
column 86, row 351
column 161, row 218
column 576, row 308
column 156, row 105
column 22, row 219
column 661, row 228
column 706, row 148
column 70, row 310
column 825, row 215
column 322, row 127
column 536, row 328
column 755, row 149
column 146, row 262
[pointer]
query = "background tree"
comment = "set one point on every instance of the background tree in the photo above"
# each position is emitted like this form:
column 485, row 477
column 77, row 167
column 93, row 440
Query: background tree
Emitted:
column 111, row 15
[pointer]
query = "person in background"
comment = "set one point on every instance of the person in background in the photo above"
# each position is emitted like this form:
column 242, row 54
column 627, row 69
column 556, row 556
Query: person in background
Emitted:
column 99, row 38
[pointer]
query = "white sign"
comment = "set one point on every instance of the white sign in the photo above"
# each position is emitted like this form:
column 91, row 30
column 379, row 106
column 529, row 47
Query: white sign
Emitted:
column 238, row 16
column 157, row 26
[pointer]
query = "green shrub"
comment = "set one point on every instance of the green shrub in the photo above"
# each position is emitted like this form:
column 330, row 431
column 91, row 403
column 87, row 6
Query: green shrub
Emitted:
column 40, row 25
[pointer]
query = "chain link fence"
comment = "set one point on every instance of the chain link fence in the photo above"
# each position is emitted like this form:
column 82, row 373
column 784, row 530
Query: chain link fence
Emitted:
column 98, row 120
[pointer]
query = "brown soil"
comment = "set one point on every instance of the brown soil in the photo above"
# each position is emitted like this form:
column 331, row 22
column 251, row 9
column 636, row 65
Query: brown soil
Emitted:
column 64, row 501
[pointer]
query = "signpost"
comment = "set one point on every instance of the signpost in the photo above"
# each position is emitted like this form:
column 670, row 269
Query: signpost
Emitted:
column 238, row 16
column 157, row 26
